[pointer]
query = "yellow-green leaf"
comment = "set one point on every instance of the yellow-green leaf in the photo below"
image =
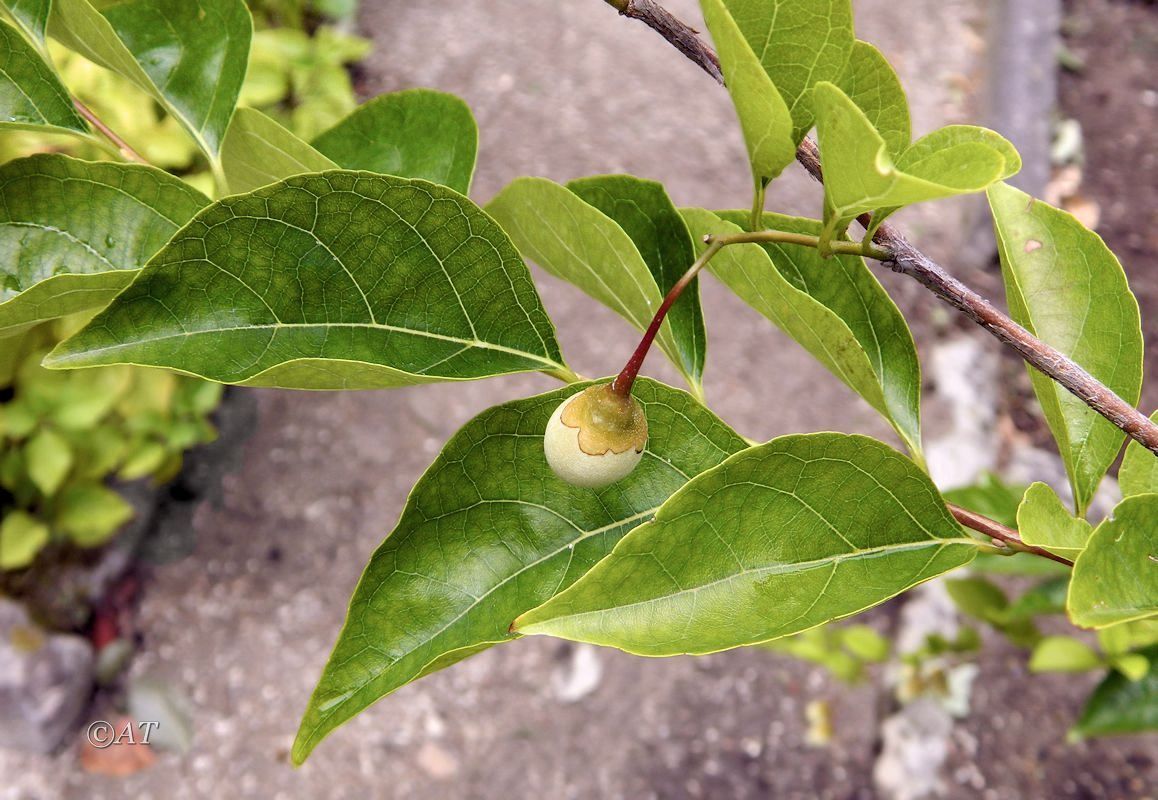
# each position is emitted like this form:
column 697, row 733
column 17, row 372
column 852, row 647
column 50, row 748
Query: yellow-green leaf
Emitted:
column 778, row 539
column 1043, row 521
column 334, row 280
column 1066, row 287
column 1115, row 578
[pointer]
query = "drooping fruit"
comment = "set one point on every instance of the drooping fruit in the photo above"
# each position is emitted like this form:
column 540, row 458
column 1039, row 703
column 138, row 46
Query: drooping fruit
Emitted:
column 595, row 437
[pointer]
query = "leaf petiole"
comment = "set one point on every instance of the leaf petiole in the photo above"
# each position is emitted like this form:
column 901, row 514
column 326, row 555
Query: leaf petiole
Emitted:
column 626, row 377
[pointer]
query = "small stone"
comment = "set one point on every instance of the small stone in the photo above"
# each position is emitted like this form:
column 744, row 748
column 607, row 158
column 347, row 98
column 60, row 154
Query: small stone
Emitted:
column 579, row 676
column 436, row 761
column 45, row 682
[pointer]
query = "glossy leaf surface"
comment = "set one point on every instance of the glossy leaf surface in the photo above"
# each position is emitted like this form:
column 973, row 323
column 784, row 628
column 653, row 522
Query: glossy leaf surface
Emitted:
column 833, row 308
column 31, row 96
column 798, row 43
column 1116, row 577
column 778, row 539
column 861, row 174
column 764, row 116
column 870, row 82
column 258, row 151
column 1066, row 287
column 333, row 280
column 488, row 533
column 418, row 133
column 189, row 54
column 577, row 242
column 646, row 214
column 60, row 251
column 1044, row 521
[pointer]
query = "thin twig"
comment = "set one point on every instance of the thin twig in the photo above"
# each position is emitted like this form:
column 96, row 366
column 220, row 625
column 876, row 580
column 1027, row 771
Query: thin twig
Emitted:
column 1007, row 536
column 910, row 261
column 684, row 37
column 122, row 146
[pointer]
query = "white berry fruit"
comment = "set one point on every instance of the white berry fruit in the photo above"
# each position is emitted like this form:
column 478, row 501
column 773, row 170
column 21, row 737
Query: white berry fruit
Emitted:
column 595, row 437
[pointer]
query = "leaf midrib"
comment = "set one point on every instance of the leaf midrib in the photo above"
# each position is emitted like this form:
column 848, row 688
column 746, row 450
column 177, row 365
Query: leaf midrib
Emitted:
column 775, row 569
column 296, row 325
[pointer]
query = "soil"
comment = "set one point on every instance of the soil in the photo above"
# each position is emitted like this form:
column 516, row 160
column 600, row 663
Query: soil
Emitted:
column 1114, row 95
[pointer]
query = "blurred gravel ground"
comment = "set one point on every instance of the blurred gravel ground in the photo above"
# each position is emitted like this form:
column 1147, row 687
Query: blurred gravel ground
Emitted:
column 245, row 625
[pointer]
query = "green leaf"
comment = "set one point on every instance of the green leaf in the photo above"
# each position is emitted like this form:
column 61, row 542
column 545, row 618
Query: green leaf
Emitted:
column 331, row 281
column 418, row 133
column 49, row 459
column 870, row 82
column 73, row 232
column 991, row 497
column 1063, row 654
column 21, row 538
column 489, row 532
column 1134, row 666
column 861, row 175
column 1119, row 639
column 865, row 643
column 778, row 539
column 799, row 43
column 1047, row 597
column 764, row 116
column 31, row 16
column 91, row 513
column 1066, row 287
column 646, row 214
column 985, row 601
column 833, row 308
column 1116, row 577
column 1139, row 472
column 1121, row 706
column 1043, row 521
column 577, row 242
column 258, row 151
column 191, row 55
column 978, row 598
column 31, row 96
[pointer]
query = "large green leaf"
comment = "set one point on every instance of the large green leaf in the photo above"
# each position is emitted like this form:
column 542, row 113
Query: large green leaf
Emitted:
column 31, row 96
column 764, row 116
column 870, row 82
column 1066, row 287
column 258, row 151
column 833, row 308
column 418, row 133
column 577, row 242
column 1120, row 705
column 1116, row 577
column 799, row 43
column 1139, row 472
column 73, row 232
column 31, row 16
column 778, row 539
column 860, row 174
column 488, row 533
column 189, row 54
column 1043, row 521
column 332, row 280
column 646, row 214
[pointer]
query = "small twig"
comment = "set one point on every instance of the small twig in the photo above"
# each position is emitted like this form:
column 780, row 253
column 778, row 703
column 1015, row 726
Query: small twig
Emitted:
column 685, row 38
column 908, row 260
column 1007, row 536
column 864, row 249
column 122, row 146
